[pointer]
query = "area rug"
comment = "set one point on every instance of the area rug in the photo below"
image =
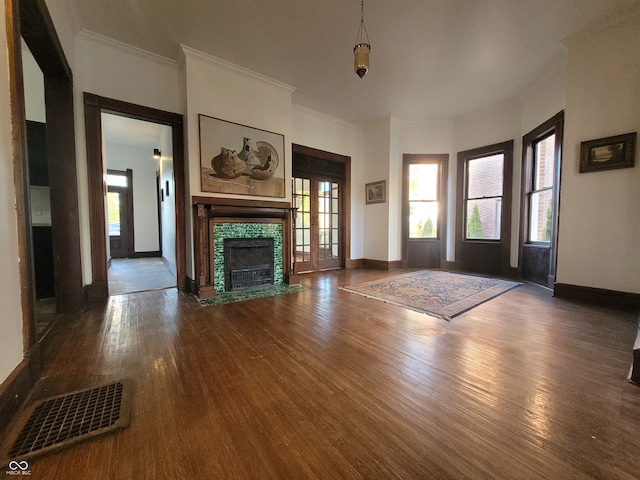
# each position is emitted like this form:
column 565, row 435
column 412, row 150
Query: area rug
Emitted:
column 436, row 293
column 271, row 291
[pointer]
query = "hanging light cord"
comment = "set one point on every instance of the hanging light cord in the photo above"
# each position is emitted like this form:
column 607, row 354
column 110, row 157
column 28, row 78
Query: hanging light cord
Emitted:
column 363, row 28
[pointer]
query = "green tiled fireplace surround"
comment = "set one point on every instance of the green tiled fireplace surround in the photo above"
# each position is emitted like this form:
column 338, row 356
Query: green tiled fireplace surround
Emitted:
column 221, row 231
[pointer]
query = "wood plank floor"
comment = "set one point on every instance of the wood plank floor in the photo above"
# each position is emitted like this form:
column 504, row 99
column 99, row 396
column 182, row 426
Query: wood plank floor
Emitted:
column 325, row 384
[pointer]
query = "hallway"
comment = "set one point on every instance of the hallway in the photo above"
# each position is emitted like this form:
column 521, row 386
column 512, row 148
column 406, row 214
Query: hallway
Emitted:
column 130, row 275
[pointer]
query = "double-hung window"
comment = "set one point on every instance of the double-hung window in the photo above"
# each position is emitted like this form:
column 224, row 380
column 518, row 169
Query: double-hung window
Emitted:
column 540, row 195
column 483, row 197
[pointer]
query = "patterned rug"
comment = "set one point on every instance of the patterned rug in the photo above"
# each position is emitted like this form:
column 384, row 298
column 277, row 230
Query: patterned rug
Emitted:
column 436, row 293
column 271, row 291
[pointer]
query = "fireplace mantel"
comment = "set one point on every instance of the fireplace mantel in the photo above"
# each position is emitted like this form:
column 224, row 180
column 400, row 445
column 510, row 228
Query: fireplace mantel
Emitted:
column 208, row 211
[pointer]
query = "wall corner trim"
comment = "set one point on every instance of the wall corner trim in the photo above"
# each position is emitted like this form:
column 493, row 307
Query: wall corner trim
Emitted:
column 191, row 52
column 16, row 387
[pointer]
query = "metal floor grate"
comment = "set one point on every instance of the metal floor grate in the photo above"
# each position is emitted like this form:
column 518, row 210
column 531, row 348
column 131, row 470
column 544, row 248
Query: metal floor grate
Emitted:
column 59, row 421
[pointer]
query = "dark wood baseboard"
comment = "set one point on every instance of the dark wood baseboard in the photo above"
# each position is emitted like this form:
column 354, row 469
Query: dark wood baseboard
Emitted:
column 15, row 389
column 635, row 368
column 382, row 264
column 291, row 278
column 96, row 291
column 354, row 263
column 512, row 272
column 454, row 266
column 628, row 302
column 145, row 254
column 191, row 286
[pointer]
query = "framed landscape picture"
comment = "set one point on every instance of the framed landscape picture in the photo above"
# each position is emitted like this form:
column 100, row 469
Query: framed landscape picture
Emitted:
column 376, row 192
column 608, row 153
column 239, row 159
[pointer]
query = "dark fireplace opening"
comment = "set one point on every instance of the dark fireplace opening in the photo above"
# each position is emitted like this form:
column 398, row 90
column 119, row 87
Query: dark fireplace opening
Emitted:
column 248, row 263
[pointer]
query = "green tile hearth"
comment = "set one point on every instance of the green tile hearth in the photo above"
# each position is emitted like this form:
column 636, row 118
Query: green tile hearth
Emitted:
column 221, row 231
column 270, row 291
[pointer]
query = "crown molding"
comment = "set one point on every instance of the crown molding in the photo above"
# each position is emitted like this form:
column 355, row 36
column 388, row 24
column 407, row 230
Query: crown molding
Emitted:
column 218, row 62
column 620, row 16
column 76, row 18
column 126, row 48
column 324, row 116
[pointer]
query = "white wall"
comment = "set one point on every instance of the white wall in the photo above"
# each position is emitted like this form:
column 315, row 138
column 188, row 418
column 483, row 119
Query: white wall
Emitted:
column 322, row 132
column 219, row 89
column 545, row 97
column 376, row 167
column 168, row 207
column 11, row 343
column 111, row 69
column 33, row 78
column 420, row 137
column 495, row 125
column 33, row 87
column 145, row 203
column 599, row 213
column 65, row 18
column 394, row 192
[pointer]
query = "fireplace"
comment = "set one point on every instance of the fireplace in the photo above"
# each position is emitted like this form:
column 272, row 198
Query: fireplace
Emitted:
column 248, row 263
column 217, row 220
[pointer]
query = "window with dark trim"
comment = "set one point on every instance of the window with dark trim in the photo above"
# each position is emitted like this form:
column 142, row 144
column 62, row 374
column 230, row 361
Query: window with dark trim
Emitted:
column 540, row 201
column 540, row 194
column 483, row 197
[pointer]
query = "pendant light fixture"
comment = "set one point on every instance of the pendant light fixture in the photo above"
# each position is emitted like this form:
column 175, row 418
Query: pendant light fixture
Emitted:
column 363, row 47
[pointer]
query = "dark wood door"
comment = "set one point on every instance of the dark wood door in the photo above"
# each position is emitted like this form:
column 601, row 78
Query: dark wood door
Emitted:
column 318, row 237
column 424, row 210
column 118, row 221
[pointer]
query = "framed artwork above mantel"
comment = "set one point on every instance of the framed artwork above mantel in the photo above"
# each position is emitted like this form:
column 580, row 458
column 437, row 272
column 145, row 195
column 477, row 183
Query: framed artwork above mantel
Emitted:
column 239, row 159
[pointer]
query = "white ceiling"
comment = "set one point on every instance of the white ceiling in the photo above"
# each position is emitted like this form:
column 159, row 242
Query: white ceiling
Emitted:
column 430, row 59
column 129, row 132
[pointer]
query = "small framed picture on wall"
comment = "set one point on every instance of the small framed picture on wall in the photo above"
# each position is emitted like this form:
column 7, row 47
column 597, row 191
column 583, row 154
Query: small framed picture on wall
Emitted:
column 376, row 192
column 608, row 153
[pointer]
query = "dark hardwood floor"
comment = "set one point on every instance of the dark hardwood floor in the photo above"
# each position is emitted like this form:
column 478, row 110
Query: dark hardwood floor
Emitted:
column 325, row 384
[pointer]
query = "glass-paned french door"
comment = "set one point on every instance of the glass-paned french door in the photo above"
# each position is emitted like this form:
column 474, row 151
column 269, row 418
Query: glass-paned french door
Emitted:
column 120, row 213
column 424, row 210
column 317, row 226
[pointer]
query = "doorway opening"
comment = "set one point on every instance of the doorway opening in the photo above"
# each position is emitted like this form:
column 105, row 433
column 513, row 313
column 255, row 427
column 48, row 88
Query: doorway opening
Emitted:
column 47, row 206
column 139, row 182
column 424, row 209
column 120, row 212
column 321, row 195
column 137, row 224
column 317, row 228
column 39, row 192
